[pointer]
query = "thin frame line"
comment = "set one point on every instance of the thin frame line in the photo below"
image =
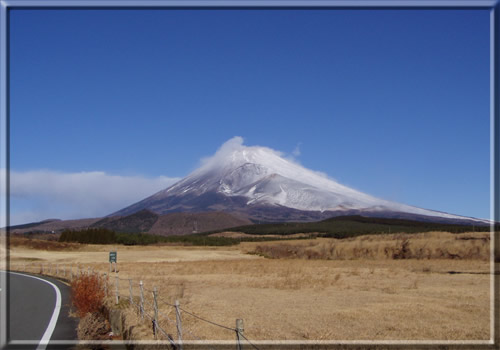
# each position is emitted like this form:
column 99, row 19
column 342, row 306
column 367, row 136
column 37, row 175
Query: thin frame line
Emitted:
column 449, row 4
column 5, row 6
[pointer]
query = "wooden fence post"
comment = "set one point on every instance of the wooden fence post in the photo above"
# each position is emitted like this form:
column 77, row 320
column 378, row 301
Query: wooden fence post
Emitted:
column 239, row 330
column 179, row 323
column 142, row 300
column 155, row 321
column 116, row 289
column 130, row 291
column 105, row 284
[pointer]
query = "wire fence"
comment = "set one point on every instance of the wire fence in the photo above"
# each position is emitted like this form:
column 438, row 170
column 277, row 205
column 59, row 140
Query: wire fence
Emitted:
column 164, row 317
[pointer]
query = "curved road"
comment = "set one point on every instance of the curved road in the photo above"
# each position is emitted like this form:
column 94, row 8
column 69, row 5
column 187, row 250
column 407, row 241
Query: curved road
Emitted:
column 38, row 310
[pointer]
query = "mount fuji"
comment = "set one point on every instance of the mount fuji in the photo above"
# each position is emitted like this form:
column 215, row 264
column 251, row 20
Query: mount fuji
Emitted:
column 259, row 184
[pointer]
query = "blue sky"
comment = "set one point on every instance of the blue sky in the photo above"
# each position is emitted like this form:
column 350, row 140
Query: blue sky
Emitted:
column 109, row 106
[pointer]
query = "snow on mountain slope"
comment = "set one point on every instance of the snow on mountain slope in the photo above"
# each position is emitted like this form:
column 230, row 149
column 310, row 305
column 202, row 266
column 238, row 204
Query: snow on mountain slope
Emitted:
column 239, row 175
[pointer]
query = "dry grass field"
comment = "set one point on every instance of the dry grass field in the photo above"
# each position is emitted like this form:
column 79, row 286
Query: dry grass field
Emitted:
column 429, row 286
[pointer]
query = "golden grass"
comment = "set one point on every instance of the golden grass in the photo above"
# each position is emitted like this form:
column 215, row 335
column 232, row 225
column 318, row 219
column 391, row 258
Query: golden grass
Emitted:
column 42, row 244
column 429, row 245
column 361, row 296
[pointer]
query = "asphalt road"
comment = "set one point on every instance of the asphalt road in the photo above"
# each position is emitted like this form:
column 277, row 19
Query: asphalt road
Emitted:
column 38, row 310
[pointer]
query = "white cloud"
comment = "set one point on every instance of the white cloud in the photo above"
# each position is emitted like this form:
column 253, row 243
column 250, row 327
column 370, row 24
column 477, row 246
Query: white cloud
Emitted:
column 296, row 151
column 293, row 156
column 41, row 194
column 233, row 144
column 226, row 150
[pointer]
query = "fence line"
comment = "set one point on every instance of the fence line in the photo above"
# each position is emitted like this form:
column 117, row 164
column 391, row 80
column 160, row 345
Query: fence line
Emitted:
column 141, row 302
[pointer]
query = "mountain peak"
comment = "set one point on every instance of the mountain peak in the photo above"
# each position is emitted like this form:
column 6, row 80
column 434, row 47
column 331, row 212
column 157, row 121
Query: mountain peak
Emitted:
column 255, row 179
column 233, row 154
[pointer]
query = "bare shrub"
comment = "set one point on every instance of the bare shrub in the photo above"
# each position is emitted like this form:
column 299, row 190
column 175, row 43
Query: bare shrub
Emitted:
column 331, row 249
column 87, row 294
column 340, row 254
column 429, row 245
column 362, row 252
column 422, row 252
column 93, row 326
column 402, row 251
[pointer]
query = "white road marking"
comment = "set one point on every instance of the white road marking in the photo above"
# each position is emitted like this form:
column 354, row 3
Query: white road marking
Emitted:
column 55, row 315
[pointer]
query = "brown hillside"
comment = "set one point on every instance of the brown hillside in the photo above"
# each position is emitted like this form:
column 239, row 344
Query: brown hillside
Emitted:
column 59, row 225
column 185, row 223
column 142, row 221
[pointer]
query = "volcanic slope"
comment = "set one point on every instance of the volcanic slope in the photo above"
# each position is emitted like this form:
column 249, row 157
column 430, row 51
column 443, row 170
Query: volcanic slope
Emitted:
column 258, row 183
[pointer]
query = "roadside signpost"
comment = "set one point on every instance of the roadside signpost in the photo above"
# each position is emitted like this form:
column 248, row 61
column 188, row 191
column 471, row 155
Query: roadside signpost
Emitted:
column 112, row 259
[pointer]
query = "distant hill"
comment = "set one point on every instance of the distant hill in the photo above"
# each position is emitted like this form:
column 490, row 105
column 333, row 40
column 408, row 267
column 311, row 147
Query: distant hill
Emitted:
column 353, row 225
column 32, row 224
column 53, row 225
column 143, row 221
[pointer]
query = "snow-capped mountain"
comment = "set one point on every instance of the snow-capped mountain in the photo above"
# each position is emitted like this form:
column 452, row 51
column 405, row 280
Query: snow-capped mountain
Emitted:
column 259, row 183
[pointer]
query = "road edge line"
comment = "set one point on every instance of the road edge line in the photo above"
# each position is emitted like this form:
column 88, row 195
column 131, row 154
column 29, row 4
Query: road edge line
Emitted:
column 55, row 315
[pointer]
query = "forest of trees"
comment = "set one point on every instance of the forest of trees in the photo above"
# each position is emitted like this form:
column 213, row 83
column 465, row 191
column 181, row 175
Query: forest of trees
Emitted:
column 89, row 236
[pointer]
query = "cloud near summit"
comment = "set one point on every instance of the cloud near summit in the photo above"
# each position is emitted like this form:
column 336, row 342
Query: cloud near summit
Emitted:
column 235, row 143
column 42, row 194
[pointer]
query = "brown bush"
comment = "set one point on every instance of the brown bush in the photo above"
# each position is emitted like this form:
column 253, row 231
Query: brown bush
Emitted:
column 87, row 294
column 402, row 250
column 93, row 326
column 430, row 245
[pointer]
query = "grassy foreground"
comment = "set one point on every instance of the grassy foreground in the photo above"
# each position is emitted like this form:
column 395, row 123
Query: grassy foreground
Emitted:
column 361, row 288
